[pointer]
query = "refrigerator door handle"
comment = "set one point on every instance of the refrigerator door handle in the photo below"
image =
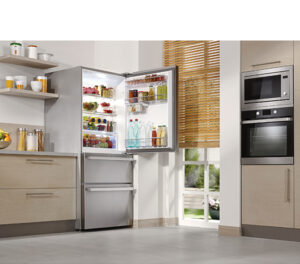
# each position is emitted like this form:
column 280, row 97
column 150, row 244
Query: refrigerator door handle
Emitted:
column 109, row 158
column 91, row 189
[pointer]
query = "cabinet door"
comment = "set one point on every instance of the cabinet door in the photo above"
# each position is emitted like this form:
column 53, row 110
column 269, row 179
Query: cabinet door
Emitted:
column 297, row 130
column 267, row 195
column 257, row 55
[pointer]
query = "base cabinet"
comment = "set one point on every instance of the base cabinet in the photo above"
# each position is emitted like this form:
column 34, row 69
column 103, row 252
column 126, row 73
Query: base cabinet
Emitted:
column 268, row 195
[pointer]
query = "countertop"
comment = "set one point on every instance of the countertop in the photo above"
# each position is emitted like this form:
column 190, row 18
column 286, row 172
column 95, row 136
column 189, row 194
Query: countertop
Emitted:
column 42, row 153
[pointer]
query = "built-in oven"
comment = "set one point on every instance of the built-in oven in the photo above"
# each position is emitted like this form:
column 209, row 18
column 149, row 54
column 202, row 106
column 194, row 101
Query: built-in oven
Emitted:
column 268, row 136
column 270, row 88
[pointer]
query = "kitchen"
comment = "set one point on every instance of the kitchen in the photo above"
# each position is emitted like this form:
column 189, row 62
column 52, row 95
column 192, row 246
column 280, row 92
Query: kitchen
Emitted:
column 60, row 149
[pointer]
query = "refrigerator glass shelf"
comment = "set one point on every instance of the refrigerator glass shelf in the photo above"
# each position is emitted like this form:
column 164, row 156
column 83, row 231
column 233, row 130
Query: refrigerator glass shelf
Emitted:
column 145, row 100
column 145, row 143
column 145, row 84
column 87, row 131
column 95, row 113
column 99, row 96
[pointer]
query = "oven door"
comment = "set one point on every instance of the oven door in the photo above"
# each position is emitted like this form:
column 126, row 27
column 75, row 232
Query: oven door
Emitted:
column 268, row 141
column 267, row 87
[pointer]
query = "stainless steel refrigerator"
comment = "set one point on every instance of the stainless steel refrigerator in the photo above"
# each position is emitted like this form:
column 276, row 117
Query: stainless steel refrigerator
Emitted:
column 94, row 116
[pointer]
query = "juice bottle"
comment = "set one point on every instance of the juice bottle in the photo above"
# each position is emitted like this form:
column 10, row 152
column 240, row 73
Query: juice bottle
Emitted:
column 164, row 136
column 154, row 136
column 151, row 96
column 158, row 140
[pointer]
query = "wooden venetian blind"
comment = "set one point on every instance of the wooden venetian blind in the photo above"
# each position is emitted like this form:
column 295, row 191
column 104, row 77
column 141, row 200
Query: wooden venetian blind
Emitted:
column 198, row 92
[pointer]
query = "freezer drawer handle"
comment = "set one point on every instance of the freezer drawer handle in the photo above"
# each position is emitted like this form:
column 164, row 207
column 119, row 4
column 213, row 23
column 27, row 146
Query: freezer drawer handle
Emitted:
column 40, row 161
column 89, row 189
column 109, row 158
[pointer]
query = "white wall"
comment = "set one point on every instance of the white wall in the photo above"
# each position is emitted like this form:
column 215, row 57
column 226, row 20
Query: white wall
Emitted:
column 230, row 146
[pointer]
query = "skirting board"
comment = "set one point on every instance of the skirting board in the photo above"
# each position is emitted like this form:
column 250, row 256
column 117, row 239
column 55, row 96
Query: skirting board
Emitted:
column 280, row 233
column 156, row 222
column 36, row 228
column 229, row 231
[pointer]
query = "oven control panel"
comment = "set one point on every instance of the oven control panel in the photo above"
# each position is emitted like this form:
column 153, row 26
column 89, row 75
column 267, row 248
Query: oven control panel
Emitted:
column 267, row 113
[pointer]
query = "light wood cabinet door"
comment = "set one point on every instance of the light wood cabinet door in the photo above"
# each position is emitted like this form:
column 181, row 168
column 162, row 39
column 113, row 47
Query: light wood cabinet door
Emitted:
column 18, row 171
column 257, row 55
column 297, row 130
column 267, row 195
column 36, row 205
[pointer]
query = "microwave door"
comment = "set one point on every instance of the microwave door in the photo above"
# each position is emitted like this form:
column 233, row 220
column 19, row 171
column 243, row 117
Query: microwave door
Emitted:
column 151, row 99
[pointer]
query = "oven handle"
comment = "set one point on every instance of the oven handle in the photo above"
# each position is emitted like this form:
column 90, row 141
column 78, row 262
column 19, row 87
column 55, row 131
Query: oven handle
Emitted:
column 271, row 120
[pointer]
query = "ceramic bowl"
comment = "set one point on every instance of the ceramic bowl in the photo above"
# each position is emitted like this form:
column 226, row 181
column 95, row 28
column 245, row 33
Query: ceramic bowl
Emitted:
column 45, row 56
column 4, row 144
column 36, row 86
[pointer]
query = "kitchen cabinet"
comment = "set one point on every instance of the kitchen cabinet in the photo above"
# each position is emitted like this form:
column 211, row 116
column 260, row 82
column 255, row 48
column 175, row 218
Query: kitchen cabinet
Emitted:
column 36, row 205
column 268, row 195
column 257, row 55
column 37, row 188
column 297, row 130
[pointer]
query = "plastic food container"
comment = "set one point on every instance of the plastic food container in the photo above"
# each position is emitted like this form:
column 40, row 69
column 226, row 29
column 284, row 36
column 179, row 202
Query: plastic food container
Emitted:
column 32, row 51
column 45, row 56
column 16, row 48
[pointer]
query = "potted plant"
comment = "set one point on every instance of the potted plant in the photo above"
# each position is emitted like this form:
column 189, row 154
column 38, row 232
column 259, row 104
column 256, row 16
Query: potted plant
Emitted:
column 214, row 209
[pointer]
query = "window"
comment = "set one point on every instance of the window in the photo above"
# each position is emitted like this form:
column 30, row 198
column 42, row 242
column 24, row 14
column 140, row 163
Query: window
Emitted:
column 198, row 91
column 201, row 185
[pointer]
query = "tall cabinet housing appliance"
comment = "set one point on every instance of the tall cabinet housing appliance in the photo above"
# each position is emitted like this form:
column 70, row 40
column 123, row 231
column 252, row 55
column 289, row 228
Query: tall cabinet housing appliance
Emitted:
column 106, row 118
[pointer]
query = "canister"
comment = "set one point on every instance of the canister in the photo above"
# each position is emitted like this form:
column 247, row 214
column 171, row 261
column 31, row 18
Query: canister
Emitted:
column 16, row 48
column 32, row 51
column 9, row 81
column 40, row 139
column 30, row 141
column 43, row 79
column 22, row 133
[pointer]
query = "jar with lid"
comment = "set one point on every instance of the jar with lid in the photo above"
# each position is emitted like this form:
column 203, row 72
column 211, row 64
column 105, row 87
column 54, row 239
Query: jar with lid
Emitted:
column 16, row 48
column 32, row 51
column 40, row 139
column 22, row 133
column 30, row 141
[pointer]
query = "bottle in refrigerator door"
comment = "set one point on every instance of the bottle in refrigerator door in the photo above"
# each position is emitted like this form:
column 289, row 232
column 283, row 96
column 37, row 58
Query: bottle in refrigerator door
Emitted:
column 131, row 136
column 158, row 140
column 143, row 136
column 164, row 137
column 137, row 133
column 154, row 137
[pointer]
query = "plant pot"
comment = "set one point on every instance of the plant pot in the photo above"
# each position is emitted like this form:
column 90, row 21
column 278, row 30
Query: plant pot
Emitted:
column 214, row 214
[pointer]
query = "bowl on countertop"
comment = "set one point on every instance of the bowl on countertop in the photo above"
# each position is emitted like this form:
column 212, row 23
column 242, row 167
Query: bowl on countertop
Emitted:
column 4, row 144
column 45, row 56
column 36, row 86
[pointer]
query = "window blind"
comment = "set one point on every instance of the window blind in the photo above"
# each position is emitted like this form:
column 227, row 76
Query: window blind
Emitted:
column 198, row 91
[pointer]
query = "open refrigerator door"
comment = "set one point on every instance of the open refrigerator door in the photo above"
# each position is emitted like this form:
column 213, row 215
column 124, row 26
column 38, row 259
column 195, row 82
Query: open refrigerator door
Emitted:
column 103, row 112
column 151, row 111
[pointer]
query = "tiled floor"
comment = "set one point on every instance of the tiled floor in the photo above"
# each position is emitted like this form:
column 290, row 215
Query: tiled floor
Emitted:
column 149, row 245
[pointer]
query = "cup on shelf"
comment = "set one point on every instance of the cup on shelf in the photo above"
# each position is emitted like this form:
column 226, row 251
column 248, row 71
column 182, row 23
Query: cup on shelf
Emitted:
column 21, row 78
column 20, row 85
column 36, row 86
column 9, row 82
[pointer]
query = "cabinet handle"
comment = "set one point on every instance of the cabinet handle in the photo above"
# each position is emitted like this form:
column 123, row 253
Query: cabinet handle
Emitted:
column 40, row 161
column 45, row 194
column 288, row 190
column 266, row 63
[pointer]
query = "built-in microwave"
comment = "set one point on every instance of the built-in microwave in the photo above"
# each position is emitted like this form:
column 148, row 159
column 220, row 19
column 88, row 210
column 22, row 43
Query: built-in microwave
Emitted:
column 269, row 88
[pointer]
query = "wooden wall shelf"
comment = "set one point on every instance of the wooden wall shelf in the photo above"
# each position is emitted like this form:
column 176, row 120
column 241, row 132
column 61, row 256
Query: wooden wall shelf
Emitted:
column 28, row 93
column 24, row 61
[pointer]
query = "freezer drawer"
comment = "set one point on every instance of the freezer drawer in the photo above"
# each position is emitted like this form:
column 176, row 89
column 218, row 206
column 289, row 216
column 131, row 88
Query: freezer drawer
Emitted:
column 108, row 207
column 98, row 169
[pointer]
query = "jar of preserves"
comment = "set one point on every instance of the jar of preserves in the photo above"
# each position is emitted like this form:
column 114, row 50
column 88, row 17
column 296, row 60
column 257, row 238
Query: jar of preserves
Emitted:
column 22, row 133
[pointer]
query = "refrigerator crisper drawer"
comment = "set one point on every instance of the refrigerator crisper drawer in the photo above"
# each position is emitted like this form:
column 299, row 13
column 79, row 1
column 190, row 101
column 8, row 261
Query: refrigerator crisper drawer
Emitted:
column 99, row 169
column 108, row 207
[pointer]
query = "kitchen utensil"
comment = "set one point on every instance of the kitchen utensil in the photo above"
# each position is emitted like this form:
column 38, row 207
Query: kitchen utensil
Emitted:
column 45, row 56
column 32, row 51
column 4, row 144
column 36, row 86
column 21, row 78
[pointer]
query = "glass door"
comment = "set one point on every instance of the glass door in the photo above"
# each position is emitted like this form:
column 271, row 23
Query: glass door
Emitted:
column 151, row 111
